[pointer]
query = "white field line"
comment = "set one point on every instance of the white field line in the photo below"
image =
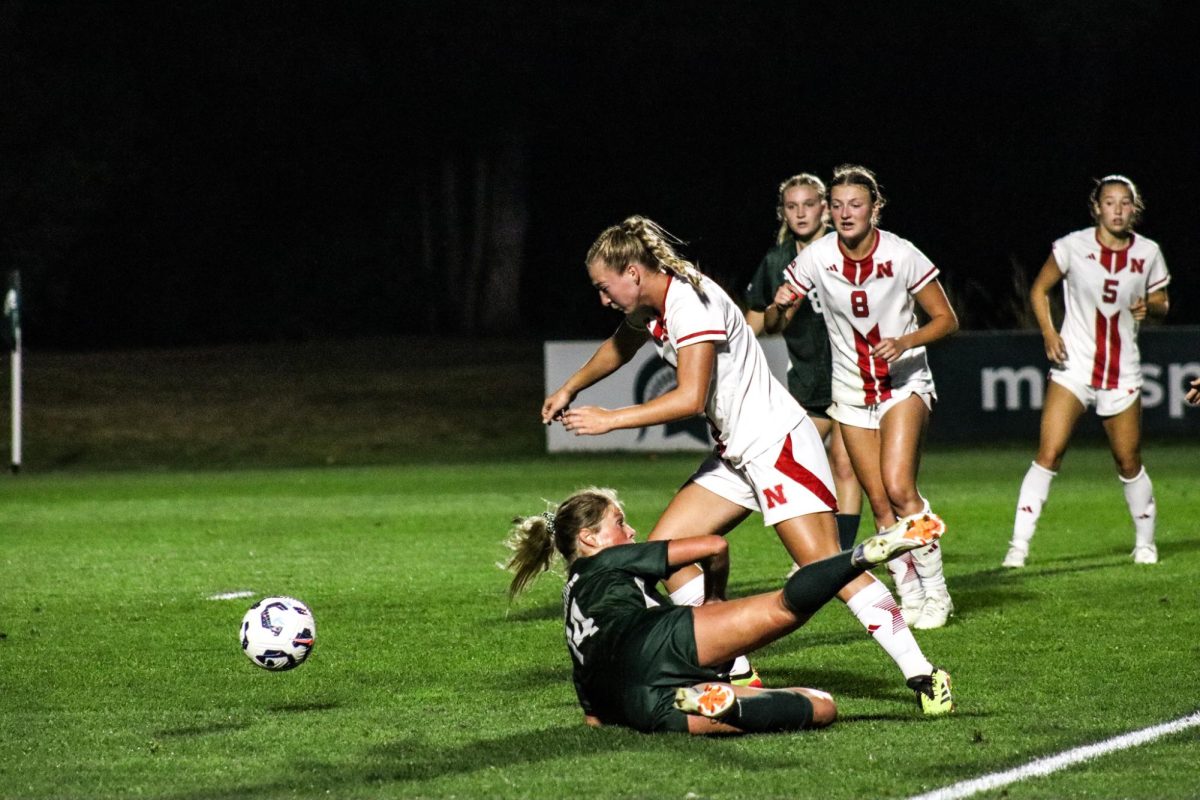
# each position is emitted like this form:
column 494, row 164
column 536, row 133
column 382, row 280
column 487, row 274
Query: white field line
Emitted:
column 1044, row 766
column 231, row 595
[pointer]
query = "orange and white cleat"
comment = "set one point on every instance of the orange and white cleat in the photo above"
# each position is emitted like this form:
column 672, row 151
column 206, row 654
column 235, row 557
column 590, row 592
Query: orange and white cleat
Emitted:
column 909, row 533
column 712, row 700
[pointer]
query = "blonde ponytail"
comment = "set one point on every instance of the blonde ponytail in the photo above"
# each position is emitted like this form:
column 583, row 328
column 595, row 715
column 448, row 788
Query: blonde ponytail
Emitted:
column 534, row 539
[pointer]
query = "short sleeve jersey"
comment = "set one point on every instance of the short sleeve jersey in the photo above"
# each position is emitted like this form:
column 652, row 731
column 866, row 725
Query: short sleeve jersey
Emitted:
column 864, row 302
column 747, row 408
column 1099, row 285
column 606, row 595
column 809, row 367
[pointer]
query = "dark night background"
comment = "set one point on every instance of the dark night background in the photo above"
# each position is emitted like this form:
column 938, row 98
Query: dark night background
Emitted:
column 180, row 173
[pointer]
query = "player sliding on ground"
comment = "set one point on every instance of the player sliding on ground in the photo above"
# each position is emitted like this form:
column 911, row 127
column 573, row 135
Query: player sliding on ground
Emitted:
column 643, row 662
column 769, row 456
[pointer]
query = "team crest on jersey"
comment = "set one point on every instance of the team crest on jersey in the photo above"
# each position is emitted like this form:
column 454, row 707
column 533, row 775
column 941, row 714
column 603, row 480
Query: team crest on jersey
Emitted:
column 1137, row 265
column 884, row 269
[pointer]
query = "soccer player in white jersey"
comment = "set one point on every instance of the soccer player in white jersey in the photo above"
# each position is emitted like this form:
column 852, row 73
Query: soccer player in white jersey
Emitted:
column 883, row 390
column 768, row 457
column 1112, row 280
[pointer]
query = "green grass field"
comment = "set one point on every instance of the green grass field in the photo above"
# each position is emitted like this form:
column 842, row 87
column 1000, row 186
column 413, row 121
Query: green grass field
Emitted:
column 119, row 678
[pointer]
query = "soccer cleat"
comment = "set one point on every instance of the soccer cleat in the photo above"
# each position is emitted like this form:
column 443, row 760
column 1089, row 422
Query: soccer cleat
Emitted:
column 934, row 697
column 748, row 678
column 1145, row 554
column 909, row 533
column 1015, row 558
column 710, row 700
column 934, row 613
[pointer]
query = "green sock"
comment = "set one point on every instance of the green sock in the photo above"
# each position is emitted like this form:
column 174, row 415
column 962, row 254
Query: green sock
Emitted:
column 847, row 529
column 815, row 584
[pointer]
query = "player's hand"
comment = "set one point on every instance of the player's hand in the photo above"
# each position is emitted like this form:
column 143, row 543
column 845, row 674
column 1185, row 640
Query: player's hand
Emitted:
column 1056, row 349
column 1193, row 395
column 554, row 405
column 889, row 350
column 1138, row 309
column 587, row 420
column 786, row 296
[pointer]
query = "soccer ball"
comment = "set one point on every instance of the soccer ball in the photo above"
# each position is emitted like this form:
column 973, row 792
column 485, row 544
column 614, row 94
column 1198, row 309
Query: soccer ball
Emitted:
column 278, row 633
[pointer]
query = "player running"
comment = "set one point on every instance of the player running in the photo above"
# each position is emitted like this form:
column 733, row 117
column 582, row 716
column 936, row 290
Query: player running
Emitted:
column 804, row 218
column 883, row 390
column 768, row 457
column 1112, row 280
column 643, row 662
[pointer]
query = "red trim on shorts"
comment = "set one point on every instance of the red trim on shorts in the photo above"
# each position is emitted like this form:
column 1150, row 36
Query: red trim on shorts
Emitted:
column 786, row 463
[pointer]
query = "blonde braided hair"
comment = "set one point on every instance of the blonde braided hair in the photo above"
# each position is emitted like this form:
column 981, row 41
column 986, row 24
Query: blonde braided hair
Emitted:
column 639, row 239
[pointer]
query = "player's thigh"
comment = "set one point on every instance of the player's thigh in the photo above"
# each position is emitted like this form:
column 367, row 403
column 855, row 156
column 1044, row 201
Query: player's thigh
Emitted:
column 1124, row 432
column 810, row 537
column 1060, row 413
column 823, row 425
column 901, row 433
column 696, row 511
column 727, row 629
column 863, row 448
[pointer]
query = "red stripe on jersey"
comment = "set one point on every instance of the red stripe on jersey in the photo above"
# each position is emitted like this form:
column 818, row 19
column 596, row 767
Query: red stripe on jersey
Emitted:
column 683, row 339
column 1101, row 349
column 1114, row 353
column 786, row 463
column 876, row 376
column 923, row 278
column 1106, row 258
column 857, row 272
column 1122, row 259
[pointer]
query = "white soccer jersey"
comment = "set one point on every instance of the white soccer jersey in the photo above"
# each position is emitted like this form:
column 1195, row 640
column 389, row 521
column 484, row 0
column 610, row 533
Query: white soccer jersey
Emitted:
column 1099, row 285
column 746, row 407
column 866, row 301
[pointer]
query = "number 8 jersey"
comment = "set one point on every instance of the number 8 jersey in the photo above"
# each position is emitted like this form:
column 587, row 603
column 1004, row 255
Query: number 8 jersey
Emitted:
column 1099, row 285
column 866, row 301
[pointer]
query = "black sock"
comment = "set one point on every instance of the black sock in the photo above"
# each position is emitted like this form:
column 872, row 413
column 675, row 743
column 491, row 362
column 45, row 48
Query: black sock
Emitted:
column 815, row 584
column 847, row 529
column 771, row 711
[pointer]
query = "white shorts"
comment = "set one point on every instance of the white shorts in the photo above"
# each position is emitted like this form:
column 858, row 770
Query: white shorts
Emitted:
column 869, row 416
column 1108, row 402
column 790, row 479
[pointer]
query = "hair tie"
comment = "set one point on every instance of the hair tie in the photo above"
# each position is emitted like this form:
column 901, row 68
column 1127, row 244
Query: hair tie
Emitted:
column 549, row 517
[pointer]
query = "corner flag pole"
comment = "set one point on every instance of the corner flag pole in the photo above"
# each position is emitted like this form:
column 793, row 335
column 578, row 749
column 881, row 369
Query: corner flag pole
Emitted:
column 12, row 311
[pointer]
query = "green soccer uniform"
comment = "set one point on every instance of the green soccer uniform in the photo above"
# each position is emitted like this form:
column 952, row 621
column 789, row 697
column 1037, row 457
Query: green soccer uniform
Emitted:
column 631, row 647
column 810, row 363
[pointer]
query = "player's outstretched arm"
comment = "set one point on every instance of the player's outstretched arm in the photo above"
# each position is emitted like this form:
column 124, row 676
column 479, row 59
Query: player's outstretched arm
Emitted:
column 686, row 400
column 611, row 355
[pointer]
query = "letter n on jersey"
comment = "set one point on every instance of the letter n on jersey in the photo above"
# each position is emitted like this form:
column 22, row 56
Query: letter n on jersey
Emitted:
column 774, row 497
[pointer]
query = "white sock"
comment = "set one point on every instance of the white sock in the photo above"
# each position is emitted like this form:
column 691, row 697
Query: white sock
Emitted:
column 1139, row 496
column 928, row 561
column 876, row 609
column 908, row 583
column 691, row 593
column 1035, row 488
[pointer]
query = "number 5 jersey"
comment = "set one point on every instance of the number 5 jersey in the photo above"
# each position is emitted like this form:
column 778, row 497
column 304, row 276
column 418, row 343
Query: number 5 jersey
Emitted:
column 1099, row 285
